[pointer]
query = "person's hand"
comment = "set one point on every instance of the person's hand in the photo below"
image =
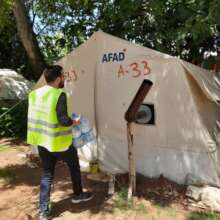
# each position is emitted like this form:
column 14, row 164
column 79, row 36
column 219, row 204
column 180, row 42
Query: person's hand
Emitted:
column 76, row 122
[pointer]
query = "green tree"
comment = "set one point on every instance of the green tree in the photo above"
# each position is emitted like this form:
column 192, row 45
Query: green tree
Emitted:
column 184, row 28
column 12, row 52
column 25, row 31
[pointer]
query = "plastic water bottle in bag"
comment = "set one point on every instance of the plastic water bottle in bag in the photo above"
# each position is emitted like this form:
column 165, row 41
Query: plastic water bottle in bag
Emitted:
column 78, row 142
column 89, row 136
column 85, row 126
column 82, row 133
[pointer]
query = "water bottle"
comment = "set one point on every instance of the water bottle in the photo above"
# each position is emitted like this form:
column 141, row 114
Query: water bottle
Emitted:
column 78, row 142
column 82, row 133
column 89, row 136
column 85, row 126
column 76, row 131
column 76, row 116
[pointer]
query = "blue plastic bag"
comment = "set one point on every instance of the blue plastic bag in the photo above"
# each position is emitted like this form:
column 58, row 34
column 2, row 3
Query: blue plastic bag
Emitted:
column 78, row 142
column 89, row 136
column 82, row 133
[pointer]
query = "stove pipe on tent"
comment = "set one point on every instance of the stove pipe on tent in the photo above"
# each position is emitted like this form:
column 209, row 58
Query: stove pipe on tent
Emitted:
column 132, row 114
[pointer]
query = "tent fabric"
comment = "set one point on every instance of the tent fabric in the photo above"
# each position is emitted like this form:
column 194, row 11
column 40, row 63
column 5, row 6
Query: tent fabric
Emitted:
column 102, row 77
column 13, row 86
column 206, row 81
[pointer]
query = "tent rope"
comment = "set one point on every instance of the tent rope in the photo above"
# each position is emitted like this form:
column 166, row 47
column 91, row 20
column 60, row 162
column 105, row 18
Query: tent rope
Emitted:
column 2, row 115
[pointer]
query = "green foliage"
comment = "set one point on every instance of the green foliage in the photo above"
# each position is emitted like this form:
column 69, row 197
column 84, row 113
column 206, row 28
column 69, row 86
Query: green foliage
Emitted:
column 62, row 25
column 122, row 203
column 218, row 75
column 5, row 12
column 186, row 29
column 181, row 28
column 203, row 216
column 55, row 47
column 14, row 123
column 4, row 173
column 4, row 147
column 6, row 176
column 172, row 211
column 12, row 52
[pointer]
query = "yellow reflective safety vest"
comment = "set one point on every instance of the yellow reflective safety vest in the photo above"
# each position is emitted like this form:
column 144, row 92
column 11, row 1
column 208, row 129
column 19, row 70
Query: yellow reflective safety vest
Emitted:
column 43, row 127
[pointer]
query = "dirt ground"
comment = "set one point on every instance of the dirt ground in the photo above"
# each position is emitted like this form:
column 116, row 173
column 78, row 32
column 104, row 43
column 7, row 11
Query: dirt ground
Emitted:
column 19, row 190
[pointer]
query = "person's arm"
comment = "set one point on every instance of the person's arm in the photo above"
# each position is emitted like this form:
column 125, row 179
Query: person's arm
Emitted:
column 61, row 110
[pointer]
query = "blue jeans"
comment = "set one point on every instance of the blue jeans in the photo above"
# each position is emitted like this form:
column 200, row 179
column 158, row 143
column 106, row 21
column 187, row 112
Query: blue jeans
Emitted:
column 49, row 160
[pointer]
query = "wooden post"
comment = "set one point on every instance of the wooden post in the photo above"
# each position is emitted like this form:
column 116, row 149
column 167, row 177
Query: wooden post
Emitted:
column 131, row 161
column 132, row 115
column 111, row 186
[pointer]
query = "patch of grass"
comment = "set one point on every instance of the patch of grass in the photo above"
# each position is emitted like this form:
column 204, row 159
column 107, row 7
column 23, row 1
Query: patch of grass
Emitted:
column 158, row 208
column 5, row 176
column 4, row 147
column 14, row 122
column 172, row 211
column 122, row 203
column 203, row 216
column 141, row 208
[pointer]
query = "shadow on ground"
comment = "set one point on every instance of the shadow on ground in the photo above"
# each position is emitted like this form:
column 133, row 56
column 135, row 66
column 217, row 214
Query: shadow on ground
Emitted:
column 25, row 175
column 160, row 191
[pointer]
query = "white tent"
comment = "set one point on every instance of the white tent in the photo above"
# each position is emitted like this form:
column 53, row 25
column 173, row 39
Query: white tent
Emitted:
column 13, row 86
column 105, row 73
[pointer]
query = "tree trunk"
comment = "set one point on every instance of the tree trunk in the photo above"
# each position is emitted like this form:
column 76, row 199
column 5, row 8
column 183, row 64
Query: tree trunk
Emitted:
column 28, row 38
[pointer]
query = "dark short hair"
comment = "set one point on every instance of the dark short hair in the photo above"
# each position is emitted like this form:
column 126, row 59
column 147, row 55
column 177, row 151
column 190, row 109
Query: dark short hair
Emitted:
column 51, row 73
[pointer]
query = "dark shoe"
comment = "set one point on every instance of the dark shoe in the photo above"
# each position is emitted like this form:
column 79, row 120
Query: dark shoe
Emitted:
column 83, row 197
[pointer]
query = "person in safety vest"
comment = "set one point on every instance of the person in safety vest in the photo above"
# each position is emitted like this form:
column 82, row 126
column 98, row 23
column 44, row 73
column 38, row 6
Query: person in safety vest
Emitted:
column 50, row 128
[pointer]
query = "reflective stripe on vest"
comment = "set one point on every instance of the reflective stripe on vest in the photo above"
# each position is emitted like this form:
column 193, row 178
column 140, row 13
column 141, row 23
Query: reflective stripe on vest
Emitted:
column 45, row 123
column 45, row 132
column 43, row 126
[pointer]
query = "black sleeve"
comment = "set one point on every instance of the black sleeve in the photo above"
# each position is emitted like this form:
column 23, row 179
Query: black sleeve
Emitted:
column 61, row 110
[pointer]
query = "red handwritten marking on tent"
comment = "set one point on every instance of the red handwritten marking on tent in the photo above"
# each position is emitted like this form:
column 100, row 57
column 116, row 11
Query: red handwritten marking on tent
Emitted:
column 136, row 69
column 71, row 75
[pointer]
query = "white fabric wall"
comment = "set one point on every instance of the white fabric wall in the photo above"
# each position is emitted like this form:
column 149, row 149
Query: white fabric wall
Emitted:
column 177, row 145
